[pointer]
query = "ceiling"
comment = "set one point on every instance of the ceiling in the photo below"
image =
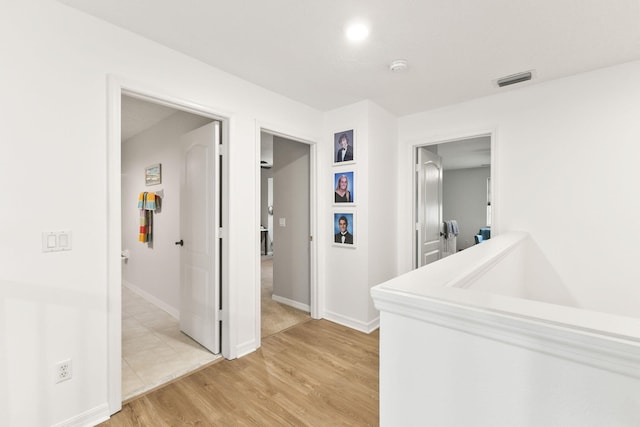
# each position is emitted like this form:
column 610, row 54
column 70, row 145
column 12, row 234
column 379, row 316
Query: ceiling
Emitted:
column 139, row 115
column 465, row 153
column 456, row 49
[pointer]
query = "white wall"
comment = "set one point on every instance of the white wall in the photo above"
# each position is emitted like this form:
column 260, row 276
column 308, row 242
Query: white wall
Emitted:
column 352, row 271
column 464, row 198
column 53, row 175
column 566, row 171
column 345, row 269
column 381, row 179
column 155, row 269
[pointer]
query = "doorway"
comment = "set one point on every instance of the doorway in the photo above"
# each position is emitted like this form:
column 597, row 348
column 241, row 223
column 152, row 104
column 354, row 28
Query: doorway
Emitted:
column 163, row 234
column 452, row 196
column 286, row 247
column 164, row 333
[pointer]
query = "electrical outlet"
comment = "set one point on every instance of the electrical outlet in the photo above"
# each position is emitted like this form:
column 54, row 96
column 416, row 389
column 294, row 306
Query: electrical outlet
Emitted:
column 63, row 371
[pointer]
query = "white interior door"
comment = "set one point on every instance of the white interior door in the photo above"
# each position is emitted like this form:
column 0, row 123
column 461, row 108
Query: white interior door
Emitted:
column 429, row 207
column 199, row 226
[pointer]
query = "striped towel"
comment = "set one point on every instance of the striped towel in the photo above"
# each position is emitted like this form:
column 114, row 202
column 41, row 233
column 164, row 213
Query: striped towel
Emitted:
column 150, row 202
column 149, row 226
column 142, row 234
column 147, row 203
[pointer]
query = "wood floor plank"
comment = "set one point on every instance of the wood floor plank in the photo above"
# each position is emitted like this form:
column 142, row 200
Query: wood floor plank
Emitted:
column 317, row 373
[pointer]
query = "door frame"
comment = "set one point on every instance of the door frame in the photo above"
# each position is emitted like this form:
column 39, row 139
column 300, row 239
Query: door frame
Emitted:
column 495, row 196
column 116, row 87
column 315, row 291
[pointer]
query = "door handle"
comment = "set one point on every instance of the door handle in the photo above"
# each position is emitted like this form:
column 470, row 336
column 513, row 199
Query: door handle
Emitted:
column 181, row 243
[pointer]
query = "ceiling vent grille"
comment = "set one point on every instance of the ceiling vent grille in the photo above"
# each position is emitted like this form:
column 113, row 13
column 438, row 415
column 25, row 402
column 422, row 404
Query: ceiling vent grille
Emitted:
column 514, row 78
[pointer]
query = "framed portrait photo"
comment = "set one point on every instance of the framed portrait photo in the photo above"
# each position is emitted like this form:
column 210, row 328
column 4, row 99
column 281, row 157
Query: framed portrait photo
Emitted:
column 153, row 174
column 344, row 147
column 344, row 229
column 344, row 188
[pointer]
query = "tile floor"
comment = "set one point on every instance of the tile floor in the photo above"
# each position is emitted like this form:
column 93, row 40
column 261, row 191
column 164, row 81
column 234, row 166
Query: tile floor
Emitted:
column 154, row 351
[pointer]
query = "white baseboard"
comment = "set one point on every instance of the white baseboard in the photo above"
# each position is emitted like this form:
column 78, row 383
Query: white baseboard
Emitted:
column 91, row 417
column 153, row 300
column 349, row 322
column 291, row 303
column 246, row 348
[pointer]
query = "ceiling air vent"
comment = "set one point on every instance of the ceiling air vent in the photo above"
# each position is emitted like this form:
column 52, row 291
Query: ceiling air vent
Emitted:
column 514, row 78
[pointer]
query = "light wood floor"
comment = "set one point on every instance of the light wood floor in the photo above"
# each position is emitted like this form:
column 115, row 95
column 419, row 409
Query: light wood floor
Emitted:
column 275, row 316
column 316, row 373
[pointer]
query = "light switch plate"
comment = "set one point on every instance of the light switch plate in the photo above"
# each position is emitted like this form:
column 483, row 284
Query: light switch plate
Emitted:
column 55, row 241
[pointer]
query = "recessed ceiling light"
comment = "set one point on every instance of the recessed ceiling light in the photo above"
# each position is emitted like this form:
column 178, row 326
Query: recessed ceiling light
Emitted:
column 357, row 32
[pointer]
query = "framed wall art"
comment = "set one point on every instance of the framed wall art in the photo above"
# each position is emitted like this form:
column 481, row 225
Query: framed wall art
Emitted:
column 344, row 187
column 344, row 145
column 153, row 174
column 344, row 229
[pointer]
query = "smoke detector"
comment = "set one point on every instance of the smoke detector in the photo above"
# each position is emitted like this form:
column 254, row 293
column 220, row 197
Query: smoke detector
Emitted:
column 399, row 65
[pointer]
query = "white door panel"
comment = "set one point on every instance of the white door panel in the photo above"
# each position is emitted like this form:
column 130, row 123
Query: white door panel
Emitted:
column 199, row 226
column 429, row 207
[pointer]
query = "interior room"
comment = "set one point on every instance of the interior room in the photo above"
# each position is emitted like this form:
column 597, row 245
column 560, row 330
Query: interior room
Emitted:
column 537, row 324
column 466, row 186
column 154, row 350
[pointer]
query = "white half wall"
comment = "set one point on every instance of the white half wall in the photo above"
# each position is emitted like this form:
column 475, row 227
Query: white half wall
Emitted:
column 566, row 171
column 430, row 372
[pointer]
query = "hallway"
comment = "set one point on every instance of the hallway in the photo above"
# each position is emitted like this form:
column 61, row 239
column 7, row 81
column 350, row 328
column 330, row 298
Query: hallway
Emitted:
column 316, row 373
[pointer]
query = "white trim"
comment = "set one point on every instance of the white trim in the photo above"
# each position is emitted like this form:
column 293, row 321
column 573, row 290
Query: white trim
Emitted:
column 257, row 236
column 246, row 347
column 291, row 303
column 116, row 87
column 91, row 417
column 152, row 299
column 315, row 291
column 352, row 323
column 114, row 247
column 599, row 349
